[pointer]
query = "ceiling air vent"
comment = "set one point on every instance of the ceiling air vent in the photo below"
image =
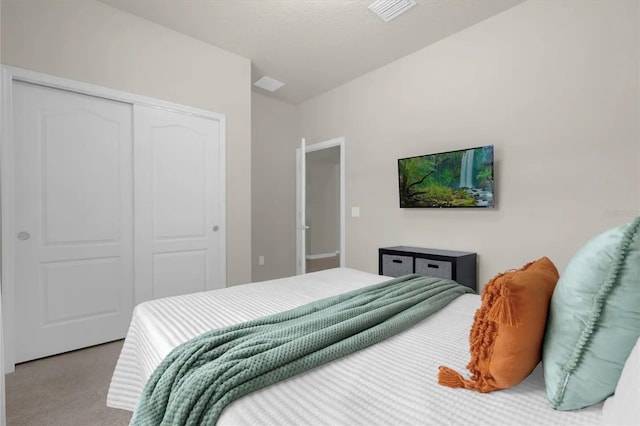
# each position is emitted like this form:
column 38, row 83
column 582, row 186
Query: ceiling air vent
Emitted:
column 268, row 83
column 389, row 9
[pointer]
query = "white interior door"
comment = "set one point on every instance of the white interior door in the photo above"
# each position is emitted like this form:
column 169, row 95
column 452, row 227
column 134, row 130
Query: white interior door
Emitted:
column 73, row 220
column 301, row 208
column 178, row 216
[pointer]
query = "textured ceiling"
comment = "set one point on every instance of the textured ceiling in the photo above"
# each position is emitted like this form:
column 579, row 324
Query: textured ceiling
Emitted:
column 313, row 45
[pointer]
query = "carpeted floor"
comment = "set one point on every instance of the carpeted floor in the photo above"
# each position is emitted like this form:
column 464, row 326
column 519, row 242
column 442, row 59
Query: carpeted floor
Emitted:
column 314, row 265
column 65, row 390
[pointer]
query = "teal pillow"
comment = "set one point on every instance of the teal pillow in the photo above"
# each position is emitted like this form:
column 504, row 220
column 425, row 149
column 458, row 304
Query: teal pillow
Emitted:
column 594, row 319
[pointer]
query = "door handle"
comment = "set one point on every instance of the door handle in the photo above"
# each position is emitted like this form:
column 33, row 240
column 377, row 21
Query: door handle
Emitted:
column 24, row 235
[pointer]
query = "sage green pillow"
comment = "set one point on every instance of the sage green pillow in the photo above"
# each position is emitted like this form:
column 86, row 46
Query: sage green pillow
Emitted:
column 594, row 319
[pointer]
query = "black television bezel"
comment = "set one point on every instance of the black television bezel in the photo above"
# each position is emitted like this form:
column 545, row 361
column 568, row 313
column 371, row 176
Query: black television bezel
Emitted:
column 493, row 179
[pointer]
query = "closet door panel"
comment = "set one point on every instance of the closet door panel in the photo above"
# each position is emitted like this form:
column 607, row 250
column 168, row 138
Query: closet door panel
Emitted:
column 188, row 268
column 73, row 218
column 177, row 214
column 81, row 176
column 179, row 182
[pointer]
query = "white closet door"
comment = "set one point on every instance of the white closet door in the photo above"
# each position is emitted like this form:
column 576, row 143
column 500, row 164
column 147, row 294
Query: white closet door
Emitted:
column 177, row 213
column 73, row 220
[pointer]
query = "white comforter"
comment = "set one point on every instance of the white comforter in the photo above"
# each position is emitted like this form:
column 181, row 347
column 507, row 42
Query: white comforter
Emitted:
column 393, row 382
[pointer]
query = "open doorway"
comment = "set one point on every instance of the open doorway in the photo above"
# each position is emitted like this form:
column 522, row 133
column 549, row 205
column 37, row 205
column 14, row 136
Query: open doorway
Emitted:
column 320, row 206
column 323, row 209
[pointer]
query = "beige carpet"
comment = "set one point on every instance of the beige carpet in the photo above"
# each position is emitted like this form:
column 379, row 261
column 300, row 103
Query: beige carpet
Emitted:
column 65, row 390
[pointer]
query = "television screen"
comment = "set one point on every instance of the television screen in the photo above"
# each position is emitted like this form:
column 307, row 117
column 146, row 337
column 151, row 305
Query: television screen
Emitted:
column 462, row 178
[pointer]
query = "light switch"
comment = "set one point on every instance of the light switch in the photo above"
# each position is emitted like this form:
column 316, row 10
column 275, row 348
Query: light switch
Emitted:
column 355, row 211
column 260, row 260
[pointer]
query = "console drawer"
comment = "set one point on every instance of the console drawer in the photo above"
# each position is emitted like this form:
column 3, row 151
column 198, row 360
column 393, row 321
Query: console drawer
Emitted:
column 396, row 266
column 434, row 268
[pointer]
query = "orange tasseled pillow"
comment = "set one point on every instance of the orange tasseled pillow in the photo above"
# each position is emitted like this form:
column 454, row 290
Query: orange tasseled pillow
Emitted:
column 506, row 337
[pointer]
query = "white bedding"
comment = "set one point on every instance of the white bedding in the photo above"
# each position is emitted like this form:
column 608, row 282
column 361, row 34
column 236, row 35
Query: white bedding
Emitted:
column 393, row 382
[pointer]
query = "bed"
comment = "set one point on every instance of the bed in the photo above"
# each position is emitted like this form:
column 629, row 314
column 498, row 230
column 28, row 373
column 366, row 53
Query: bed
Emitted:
column 392, row 382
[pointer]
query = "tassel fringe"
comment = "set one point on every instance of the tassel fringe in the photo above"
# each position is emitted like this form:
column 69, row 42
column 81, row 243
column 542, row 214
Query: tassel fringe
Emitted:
column 450, row 378
column 503, row 310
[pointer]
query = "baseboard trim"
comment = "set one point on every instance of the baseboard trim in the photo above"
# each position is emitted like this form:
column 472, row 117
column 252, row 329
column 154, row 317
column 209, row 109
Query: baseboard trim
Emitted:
column 322, row 255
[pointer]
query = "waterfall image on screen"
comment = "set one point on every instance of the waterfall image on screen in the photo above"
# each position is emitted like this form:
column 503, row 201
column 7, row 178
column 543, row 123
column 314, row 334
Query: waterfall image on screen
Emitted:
column 466, row 169
column 461, row 178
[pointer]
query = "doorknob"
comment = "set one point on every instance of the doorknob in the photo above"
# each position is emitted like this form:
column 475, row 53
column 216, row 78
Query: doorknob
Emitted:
column 23, row 236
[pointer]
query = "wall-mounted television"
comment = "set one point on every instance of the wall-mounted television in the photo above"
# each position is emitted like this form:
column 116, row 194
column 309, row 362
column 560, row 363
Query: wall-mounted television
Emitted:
column 462, row 178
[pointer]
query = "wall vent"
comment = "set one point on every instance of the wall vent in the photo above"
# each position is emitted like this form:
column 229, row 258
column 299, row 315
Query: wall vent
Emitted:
column 390, row 9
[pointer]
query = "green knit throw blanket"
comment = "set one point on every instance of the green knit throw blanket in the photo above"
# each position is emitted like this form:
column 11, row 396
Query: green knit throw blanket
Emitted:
column 199, row 378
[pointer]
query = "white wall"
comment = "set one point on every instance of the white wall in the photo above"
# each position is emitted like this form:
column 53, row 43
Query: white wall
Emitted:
column 275, row 138
column 552, row 84
column 91, row 42
column 323, row 201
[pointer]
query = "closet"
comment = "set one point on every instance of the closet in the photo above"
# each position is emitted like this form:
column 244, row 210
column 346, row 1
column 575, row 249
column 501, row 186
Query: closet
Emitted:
column 112, row 200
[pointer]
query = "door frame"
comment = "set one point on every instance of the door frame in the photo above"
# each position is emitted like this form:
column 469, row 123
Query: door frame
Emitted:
column 9, row 76
column 300, row 226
